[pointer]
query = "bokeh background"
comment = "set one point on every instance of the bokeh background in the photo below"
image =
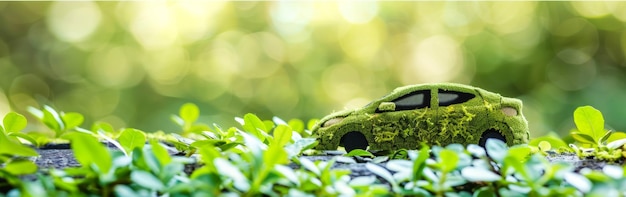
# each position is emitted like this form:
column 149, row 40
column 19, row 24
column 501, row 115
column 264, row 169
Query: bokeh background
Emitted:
column 134, row 63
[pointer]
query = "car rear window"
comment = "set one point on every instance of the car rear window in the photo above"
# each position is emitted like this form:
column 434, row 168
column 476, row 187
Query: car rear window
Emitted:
column 450, row 97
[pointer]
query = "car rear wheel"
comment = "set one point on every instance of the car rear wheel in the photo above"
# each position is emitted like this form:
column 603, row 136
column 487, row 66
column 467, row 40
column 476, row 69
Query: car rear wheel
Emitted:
column 354, row 140
column 491, row 133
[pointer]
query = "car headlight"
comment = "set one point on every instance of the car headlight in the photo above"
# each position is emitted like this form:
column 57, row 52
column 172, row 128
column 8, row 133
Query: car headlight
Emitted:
column 509, row 111
column 332, row 122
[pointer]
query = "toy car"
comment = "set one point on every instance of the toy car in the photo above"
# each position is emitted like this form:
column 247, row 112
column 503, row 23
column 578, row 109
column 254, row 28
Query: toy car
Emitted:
column 436, row 114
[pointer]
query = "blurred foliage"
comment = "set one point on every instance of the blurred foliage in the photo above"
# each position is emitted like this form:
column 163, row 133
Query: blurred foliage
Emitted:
column 131, row 63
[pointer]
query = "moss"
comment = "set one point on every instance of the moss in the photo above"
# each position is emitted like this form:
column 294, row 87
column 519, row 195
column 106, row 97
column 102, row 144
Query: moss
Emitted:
column 458, row 123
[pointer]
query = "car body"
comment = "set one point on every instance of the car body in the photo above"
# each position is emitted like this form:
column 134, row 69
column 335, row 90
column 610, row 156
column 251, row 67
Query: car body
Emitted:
column 434, row 113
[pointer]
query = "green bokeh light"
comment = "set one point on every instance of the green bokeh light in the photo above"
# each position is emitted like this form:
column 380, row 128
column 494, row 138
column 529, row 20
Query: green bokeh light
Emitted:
column 134, row 63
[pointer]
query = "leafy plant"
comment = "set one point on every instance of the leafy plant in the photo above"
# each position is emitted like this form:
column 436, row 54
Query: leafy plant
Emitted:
column 594, row 140
column 59, row 122
column 262, row 158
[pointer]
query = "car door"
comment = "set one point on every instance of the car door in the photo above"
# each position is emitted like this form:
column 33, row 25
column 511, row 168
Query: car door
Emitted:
column 456, row 112
column 402, row 126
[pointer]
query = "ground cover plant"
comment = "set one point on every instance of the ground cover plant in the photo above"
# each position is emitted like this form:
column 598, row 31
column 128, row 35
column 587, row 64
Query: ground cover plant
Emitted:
column 265, row 157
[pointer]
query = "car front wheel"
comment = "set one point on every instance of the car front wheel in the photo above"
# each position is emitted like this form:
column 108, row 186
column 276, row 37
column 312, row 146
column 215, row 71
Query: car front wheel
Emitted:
column 354, row 140
column 491, row 133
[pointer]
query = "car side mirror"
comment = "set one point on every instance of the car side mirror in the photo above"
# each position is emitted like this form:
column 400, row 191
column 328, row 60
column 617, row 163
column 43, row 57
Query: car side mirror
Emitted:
column 387, row 106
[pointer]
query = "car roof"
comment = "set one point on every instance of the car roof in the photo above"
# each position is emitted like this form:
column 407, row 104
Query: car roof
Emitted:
column 426, row 86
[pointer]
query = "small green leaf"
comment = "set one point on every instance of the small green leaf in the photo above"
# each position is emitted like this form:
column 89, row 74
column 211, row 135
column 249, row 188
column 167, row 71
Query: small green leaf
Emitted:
column 449, row 160
column 589, row 121
column 554, row 140
column 485, row 192
column 579, row 181
column 254, row 126
column 359, row 152
column 124, row 190
column 420, row 162
column 52, row 119
column 147, row 180
column 309, row 165
column 297, row 125
column 616, row 144
column 475, row 174
column 10, row 147
column 496, row 149
column 275, row 155
column 102, row 126
column 189, row 112
column 282, row 135
column 380, row 171
column 88, row 150
column 21, row 167
column 519, row 152
column 583, row 138
column 72, row 120
column 14, row 122
column 544, row 146
column 131, row 139
column 25, row 137
column 229, row 170
column 362, row 181
column 160, row 152
column 616, row 135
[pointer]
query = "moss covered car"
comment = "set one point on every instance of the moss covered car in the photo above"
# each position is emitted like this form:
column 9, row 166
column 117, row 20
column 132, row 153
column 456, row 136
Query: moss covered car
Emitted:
column 436, row 114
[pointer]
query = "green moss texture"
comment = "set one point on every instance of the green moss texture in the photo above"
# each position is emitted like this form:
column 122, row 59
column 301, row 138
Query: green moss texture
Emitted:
column 463, row 123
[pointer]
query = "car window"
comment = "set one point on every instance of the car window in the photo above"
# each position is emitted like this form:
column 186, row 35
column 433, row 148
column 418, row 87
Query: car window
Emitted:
column 413, row 100
column 449, row 97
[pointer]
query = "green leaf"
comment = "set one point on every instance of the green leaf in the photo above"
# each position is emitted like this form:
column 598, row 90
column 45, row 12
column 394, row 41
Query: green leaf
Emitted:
column 14, row 122
column 544, row 146
column 616, row 135
column 589, row 121
column 21, row 167
column 583, row 138
column 616, row 144
column 555, row 141
column 102, row 126
column 189, row 112
column 53, row 120
column 282, row 135
column 131, row 139
column 88, row 150
column 420, row 162
column 475, row 174
column 124, row 190
column 362, row 181
column 359, row 152
column 297, row 125
column 485, row 192
column 72, row 119
column 147, row 180
column 300, row 145
column 10, row 147
column 382, row 172
column 579, row 181
column 25, row 137
column 519, row 152
column 229, row 170
column 496, row 149
column 275, row 155
column 160, row 152
column 448, row 160
column 254, row 126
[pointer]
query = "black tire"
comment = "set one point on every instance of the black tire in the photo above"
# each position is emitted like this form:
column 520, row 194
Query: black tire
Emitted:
column 354, row 140
column 491, row 133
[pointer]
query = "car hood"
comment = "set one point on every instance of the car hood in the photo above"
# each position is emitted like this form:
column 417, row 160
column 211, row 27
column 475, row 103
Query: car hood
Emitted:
column 339, row 114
